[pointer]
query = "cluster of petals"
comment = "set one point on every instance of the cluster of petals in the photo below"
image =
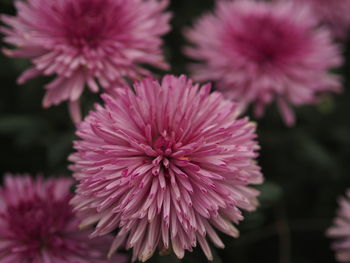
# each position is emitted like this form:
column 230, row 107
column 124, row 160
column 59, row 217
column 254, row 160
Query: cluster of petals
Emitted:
column 89, row 43
column 264, row 52
column 340, row 230
column 37, row 224
column 332, row 13
column 165, row 165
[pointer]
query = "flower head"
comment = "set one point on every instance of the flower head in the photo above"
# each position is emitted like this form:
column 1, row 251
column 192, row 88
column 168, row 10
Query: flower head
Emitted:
column 340, row 230
column 334, row 14
column 259, row 52
column 38, row 225
column 86, row 42
column 165, row 166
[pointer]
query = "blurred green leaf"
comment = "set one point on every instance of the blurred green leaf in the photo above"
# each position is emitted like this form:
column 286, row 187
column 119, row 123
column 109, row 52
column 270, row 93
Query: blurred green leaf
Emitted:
column 270, row 193
column 166, row 259
column 27, row 130
column 59, row 148
column 19, row 123
column 313, row 152
column 326, row 104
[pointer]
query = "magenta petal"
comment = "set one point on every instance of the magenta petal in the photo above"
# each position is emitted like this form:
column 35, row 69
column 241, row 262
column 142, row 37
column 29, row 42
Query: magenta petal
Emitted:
column 86, row 42
column 259, row 52
column 37, row 224
column 164, row 166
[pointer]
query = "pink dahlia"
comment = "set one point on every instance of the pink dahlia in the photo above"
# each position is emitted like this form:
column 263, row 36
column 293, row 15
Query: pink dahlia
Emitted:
column 165, row 166
column 333, row 13
column 86, row 43
column 260, row 52
column 341, row 230
column 37, row 224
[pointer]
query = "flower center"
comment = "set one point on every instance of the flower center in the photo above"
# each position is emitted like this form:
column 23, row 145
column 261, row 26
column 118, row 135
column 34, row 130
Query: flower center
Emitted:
column 87, row 22
column 37, row 224
column 267, row 40
column 164, row 145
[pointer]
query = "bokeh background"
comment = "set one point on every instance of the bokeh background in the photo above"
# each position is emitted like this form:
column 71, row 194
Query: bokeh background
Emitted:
column 306, row 167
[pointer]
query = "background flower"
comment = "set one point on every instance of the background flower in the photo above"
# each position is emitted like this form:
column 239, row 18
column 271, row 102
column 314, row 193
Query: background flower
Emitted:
column 334, row 14
column 341, row 230
column 306, row 167
column 165, row 166
column 260, row 52
column 38, row 225
column 86, row 42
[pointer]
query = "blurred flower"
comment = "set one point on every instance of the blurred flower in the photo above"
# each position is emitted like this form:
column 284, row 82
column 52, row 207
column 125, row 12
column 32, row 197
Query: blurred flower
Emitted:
column 38, row 225
column 165, row 166
column 341, row 230
column 86, row 43
column 258, row 52
column 333, row 13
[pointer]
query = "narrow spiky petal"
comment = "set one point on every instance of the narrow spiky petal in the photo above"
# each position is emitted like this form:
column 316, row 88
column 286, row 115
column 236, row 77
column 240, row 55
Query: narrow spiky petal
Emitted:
column 340, row 230
column 263, row 52
column 86, row 43
column 38, row 225
column 334, row 14
column 165, row 166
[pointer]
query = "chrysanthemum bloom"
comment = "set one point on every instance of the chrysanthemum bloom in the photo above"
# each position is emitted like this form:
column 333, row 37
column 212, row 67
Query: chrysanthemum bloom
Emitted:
column 165, row 166
column 37, row 224
column 341, row 230
column 260, row 52
column 86, row 42
column 333, row 13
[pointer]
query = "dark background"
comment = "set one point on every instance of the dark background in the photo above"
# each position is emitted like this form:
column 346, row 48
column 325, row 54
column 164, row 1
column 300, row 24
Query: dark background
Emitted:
column 306, row 167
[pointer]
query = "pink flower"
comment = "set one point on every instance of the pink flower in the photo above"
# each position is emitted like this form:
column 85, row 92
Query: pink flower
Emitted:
column 260, row 52
column 333, row 13
column 341, row 230
column 86, row 43
column 37, row 224
column 165, row 166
